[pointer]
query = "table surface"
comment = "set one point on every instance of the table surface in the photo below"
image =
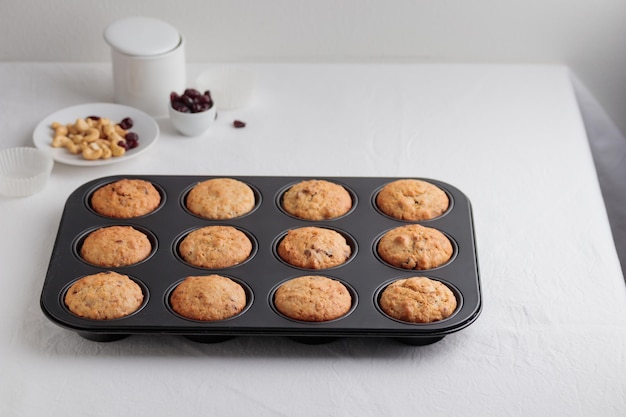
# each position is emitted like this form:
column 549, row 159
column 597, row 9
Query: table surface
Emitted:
column 551, row 339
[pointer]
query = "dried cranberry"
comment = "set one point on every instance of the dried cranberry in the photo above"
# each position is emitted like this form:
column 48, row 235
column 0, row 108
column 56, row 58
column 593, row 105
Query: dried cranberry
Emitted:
column 93, row 117
column 123, row 144
column 181, row 107
column 203, row 100
column 132, row 136
column 188, row 101
column 239, row 124
column 132, row 143
column 192, row 93
column 126, row 123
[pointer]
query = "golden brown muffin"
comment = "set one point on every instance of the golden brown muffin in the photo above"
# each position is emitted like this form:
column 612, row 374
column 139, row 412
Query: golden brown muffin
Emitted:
column 411, row 199
column 115, row 246
column 415, row 247
column 104, row 296
column 215, row 247
column 208, row 298
column 418, row 300
column 126, row 198
column 220, row 198
column 313, row 298
column 314, row 248
column 317, row 200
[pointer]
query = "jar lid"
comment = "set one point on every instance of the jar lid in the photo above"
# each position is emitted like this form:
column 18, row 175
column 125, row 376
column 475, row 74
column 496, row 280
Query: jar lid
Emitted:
column 141, row 36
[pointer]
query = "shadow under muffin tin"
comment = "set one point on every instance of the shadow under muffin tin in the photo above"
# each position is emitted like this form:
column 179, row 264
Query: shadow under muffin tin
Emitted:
column 364, row 274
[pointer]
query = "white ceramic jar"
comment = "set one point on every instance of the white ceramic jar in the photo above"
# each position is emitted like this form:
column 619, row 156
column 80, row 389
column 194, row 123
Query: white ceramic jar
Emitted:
column 148, row 57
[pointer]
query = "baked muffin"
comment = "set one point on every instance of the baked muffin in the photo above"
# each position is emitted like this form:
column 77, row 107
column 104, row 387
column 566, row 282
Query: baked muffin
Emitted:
column 415, row 247
column 115, row 246
column 125, row 199
column 418, row 300
column 411, row 199
column 208, row 298
column 220, row 198
column 104, row 296
column 317, row 200
column 215, row 247
column 314, row 248
column 313, row 298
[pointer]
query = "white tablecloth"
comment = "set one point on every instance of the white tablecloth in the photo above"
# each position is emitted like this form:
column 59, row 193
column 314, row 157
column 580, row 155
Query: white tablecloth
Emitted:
column 551, row 340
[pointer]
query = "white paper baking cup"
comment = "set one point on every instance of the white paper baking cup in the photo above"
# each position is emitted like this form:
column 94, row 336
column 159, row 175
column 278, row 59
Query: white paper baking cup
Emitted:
column 23, row 171
column 230, row 88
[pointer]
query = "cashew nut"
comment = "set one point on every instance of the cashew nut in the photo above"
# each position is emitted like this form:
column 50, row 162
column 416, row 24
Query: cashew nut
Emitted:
column 59, row 141
column 59, row 129
column 92, row 152
column 108, row 130
column 106, row 153
column 65, row 142
column 103, row 121
column 105, row 145
column 116, row 149
column 119, row 130
column 91, row 135
column 81, row 125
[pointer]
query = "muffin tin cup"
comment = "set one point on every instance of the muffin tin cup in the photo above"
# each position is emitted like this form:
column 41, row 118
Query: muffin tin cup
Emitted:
column 80, row 239
column 247, row 290
column 353, row 295
column 365, row 273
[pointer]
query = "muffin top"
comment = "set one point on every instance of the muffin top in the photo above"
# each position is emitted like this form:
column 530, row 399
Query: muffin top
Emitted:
column 313, row 298
column 104, row 296
column 317, row 200
column 314, row 248
column 208, row 298
column 215, row 247
column 115, row 246
column 415, row 247
column 126, row 198
column 418, row 300
column 220, row 198
column 412, row 199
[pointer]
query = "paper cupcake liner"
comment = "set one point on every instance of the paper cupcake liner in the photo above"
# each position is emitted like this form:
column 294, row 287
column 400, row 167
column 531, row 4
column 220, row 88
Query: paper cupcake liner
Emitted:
column 23, row 171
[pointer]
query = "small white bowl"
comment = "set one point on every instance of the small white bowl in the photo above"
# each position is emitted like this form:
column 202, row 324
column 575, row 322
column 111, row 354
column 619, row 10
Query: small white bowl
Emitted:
column 192, row 124
column 230, row 88
column 23, row 171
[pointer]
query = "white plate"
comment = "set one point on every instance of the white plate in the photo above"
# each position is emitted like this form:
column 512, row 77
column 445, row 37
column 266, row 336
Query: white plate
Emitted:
column 144, row 126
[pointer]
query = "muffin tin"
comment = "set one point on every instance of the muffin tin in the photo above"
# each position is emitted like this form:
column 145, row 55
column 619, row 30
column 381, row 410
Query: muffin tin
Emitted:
column 364, row 274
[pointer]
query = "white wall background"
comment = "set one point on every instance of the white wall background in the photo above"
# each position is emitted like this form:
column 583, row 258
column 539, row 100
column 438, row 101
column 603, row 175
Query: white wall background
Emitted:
column 587, row 35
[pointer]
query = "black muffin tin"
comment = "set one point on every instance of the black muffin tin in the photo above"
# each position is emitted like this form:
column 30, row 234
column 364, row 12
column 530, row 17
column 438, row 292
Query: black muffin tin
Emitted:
column 365, row 274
